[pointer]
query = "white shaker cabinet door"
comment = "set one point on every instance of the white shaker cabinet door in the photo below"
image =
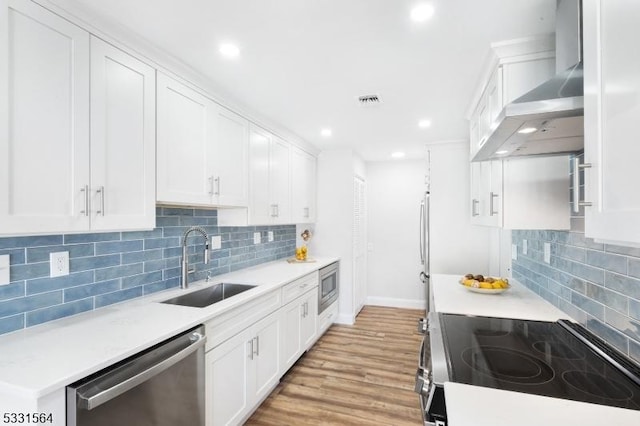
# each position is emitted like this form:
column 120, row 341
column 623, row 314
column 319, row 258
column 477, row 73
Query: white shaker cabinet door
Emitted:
column 266, row 356
column 279, row 175
column 122, row 140
column 303, row 186
column 261, row 210
column 230, row 159
column 44, row 121
column 612, row 108
column 228, row 380
column 185, row 138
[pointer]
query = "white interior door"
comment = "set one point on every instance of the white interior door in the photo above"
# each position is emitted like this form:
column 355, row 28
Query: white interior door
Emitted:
column 359, row 244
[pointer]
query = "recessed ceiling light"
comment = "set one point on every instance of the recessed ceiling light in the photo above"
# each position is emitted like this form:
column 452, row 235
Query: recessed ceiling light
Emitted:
column 398, row 154
column 326, row 132
column 527, row 130
column 502, row 152
column 424, row 123
column 422, row 12
column 229, row 50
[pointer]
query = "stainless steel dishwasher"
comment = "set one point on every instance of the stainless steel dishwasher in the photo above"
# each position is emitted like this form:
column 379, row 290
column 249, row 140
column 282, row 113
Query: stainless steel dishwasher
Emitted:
column 162, row 386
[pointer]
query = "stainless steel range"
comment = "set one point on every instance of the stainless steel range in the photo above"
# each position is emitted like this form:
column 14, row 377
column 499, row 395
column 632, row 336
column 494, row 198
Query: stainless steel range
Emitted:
column 556, row 359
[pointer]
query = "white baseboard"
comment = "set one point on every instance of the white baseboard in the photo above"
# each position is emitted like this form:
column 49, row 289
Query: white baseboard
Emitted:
column 396, row 303
column 345, row 319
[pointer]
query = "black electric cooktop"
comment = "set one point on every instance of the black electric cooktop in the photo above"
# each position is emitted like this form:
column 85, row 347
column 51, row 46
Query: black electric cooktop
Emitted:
column 542, row 358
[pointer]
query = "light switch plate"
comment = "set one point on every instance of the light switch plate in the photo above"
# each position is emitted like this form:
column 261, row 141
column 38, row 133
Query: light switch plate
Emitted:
column 256, row 238
column 59, row 264
column 4, row 269
column 514, row 252
column 216, row 242
column 270, row 236
column 547, row 252
column 525, row 247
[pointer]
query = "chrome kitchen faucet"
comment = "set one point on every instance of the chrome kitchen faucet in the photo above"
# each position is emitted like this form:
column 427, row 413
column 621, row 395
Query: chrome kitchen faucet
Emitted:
column 184, row 282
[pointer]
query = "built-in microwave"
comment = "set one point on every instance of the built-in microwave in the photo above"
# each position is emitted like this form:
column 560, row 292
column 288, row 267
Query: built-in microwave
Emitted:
column 329, row 285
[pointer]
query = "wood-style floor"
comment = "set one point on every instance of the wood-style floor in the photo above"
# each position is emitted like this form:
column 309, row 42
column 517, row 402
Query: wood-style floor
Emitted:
column 354, row 375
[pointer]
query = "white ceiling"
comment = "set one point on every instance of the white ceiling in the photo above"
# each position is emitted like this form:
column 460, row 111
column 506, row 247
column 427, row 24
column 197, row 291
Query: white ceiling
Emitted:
column 304, row 62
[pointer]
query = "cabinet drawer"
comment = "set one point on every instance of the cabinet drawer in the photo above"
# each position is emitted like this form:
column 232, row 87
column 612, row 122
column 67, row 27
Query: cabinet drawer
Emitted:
column 299, row 287
column 233, row 322
column 327, row 317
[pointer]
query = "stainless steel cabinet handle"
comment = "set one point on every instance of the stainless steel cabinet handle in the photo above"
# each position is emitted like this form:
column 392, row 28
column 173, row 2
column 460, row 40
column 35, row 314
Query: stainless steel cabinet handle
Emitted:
column 474, row 210
column 273, row 210
column 306, row 212
column 217, row 192
column 257, row 338
column 106, row 395
column 277, row 210
column 492, row 196
column 250, row 343
column 86, row 200
column 576, row 185
column 211, row 192
column 100, row 191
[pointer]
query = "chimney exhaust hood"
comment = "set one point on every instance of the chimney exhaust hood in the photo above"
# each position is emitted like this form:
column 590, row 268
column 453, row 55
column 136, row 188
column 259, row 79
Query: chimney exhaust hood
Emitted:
column 549, row 119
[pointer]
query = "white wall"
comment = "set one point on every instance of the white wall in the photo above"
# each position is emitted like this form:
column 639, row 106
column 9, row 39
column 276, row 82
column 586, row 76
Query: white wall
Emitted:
column 333, row 229
column 394, row 192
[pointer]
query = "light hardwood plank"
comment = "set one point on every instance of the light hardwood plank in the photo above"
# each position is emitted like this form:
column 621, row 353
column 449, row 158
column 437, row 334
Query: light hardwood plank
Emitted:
column 354, row 375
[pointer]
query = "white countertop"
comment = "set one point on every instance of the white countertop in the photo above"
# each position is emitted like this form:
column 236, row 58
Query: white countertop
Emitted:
column 518, row 302
column 478, row 406
column 42, row 359
column 481, row 406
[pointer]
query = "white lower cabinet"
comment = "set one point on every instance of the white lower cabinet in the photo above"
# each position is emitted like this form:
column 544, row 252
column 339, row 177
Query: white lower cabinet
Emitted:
column 242, row 371
column 299, row 327
column 326, row 318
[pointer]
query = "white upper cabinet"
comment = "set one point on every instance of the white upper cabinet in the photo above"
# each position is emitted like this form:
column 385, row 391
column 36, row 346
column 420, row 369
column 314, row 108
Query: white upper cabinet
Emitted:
column 269, row 160
column 44, row 122
column 229, row 164
column 123, row 140
column 612, row 108
column 515, row 67
column 77, row 147
column 303, row 186
column 185, row 138
column 521, row 193
column 202, row 149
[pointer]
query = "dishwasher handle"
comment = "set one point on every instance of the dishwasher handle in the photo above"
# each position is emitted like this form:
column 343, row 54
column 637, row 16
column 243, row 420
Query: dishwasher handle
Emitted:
column 90, row 402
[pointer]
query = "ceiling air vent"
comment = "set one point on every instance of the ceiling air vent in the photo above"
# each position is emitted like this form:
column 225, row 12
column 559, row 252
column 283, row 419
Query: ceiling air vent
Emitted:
column 369, row 100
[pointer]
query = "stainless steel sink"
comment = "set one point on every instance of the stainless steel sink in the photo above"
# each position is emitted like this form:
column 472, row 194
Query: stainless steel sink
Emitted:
column 210, row 295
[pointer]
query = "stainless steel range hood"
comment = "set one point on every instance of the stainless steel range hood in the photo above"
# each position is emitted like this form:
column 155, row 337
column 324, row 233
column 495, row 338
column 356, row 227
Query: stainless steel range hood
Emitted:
column 549, row 119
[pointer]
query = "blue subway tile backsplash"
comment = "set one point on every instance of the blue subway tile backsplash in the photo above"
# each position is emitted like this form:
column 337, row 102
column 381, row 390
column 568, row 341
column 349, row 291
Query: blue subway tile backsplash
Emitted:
column 112, row 267
column 597, row 284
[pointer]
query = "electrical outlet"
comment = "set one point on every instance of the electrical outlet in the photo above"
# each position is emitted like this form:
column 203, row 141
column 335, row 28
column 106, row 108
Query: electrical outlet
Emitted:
column 525, row 247
column 547, row 252
column 4, row 269
column 514, row 252
column 256, row 238
column 59, row 264
column 216, row 242
column 270, row 236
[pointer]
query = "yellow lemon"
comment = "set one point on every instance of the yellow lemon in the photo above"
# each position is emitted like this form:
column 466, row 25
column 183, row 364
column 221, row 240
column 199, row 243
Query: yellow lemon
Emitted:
column 485, row 285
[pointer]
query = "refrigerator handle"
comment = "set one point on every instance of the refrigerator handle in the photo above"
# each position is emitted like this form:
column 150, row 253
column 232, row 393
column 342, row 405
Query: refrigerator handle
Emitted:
column 422, row 232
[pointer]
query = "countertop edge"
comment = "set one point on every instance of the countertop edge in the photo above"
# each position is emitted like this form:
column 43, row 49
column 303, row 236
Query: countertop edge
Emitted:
column 189, row 317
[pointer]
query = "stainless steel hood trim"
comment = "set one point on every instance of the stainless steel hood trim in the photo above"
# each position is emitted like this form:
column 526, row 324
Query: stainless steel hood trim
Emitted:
column 553, row 109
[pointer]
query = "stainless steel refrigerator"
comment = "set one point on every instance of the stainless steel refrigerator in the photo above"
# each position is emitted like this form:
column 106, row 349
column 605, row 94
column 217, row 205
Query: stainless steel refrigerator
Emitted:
column 425, row 273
